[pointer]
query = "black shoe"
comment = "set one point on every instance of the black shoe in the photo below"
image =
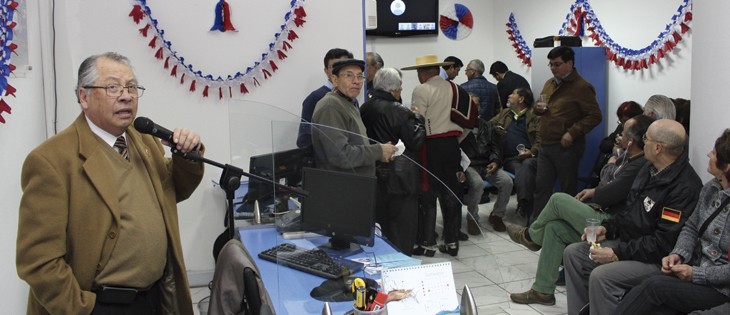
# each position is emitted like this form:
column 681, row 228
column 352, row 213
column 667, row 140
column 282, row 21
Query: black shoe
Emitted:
column 485, row 199
column 561, row 277
column 450, row 248
column 463, row 236
column 497, row 223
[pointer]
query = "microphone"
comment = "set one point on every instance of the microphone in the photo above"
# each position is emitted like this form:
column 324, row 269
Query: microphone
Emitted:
column 147, row 126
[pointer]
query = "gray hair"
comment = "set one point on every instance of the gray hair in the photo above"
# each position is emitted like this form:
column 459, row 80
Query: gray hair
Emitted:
column 388, row 79
column 88, row 72
column 374, row 59
column 674, row 142
column 660, row 107
column 477, row 65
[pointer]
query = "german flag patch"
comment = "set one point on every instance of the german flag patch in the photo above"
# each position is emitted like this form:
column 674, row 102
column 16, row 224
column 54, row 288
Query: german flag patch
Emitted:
column 670, row 214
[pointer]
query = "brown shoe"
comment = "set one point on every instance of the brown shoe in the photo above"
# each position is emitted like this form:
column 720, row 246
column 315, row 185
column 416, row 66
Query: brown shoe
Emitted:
column 517, row 235
column 472, row 227
column 497, row 223
column 533, row 297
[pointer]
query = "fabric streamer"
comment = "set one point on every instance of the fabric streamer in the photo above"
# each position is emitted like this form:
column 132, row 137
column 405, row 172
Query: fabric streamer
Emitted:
column 7, row 12
column 222, row 20
column 456, row 21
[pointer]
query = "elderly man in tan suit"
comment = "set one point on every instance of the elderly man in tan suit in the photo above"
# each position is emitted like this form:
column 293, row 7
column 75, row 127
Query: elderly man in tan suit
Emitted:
column 98, row 230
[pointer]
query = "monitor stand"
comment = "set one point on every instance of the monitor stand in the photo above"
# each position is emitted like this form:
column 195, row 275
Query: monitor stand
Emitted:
column 341, row 248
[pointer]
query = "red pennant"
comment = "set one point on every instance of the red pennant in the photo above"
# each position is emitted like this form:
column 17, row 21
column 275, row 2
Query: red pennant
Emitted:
column 299, row 22
column 220, row 93
column 12, row 24
column 205, row 91
column 660, row 54
column 509, row 31
column 13, row 47
column 11, row 67
column 511, row 38
column 145, row 29
column 644, row 64
column 244, row 90
column 12, row 5
column 192, row 86
column 267, row 74
column 286, row 46
column 182, row 78
column 620, row 61
column 676, row 37
column 167, row 63
column 300, row 12
column 273, row 66
column 688, row 16
column 173, row 73
column 10, row 90
column 158, row 54
column 136, row 13
column 153, row 42
column 256, row 82
column 4, row 107
column 652, row 59
column 281, row 54
column 684, row 28
column 636, row 65
column 292, row 36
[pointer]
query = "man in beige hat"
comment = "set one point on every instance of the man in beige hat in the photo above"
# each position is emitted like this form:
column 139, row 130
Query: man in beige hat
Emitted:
column 432, row 99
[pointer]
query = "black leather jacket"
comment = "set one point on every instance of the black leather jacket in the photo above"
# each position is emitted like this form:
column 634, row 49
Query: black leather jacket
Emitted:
column 482, row 147
column 387, row 120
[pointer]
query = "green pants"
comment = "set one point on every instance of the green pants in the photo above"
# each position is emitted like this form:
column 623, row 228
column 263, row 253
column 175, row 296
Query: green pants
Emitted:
column 560, row 224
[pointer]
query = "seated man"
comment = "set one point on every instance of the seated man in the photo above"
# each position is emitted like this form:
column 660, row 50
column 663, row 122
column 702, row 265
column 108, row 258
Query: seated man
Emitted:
column 564, row 217
column 662, row 197
column 483, row 150
column 695, row 275
column 517, row 125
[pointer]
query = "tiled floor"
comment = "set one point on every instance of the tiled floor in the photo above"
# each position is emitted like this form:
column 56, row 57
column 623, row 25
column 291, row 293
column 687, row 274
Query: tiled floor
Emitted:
column 492, row 265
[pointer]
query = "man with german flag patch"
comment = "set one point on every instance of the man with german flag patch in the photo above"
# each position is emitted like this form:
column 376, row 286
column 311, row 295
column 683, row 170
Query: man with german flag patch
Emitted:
column 633, row 242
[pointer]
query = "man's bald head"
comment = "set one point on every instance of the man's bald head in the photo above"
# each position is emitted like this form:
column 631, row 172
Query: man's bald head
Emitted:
column 670, row 133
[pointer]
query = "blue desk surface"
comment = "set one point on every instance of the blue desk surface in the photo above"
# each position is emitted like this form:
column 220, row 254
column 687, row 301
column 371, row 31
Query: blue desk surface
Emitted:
column 289, row 288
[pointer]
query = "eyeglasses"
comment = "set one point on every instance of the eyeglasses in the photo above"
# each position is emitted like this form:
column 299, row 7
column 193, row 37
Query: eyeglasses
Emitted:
column 116, row 90
column 555, row 64
column 350, row 76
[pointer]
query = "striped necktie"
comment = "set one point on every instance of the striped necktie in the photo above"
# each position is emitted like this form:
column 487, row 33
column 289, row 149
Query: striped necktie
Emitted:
column 121, row 146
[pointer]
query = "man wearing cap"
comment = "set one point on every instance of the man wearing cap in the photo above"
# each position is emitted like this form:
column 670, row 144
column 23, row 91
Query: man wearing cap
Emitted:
column 433, row 99
column 344, row 147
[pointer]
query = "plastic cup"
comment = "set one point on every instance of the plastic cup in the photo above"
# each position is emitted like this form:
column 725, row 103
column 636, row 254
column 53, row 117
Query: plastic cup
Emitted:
column 542, row 102
column 521, row 148
column 592, row 225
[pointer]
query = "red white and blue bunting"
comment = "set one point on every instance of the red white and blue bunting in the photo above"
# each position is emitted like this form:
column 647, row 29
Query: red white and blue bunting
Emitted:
column 242, row 80
column 582, row 19
column 7, row 24
column 521, row 48
column 629, row 59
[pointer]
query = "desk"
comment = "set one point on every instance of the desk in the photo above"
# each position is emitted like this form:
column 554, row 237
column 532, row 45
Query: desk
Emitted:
column 289, row 288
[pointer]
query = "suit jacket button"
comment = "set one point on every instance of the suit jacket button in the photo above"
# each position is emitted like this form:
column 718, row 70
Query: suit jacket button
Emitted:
column 112, row 235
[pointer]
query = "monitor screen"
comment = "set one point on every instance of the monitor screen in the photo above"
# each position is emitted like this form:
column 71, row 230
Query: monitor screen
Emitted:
column 406, row 17
column 342, row 206
column 284, row 167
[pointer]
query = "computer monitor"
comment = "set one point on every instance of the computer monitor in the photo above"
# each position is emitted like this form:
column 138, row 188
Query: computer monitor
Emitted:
column 284, row 167
column 342, row 206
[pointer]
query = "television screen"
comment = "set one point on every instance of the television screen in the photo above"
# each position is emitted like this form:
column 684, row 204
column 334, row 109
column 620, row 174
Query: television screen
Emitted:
column 406, row 17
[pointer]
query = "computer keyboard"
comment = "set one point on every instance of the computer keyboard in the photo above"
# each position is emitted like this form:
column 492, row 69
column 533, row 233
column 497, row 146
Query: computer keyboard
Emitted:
column 313, row 261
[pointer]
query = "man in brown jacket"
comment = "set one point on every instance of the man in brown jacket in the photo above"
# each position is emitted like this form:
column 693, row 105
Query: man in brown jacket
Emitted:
column 98, row 229
column 570, row 112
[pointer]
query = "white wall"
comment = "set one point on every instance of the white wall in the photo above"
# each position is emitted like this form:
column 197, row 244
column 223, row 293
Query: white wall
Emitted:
column 633, row 24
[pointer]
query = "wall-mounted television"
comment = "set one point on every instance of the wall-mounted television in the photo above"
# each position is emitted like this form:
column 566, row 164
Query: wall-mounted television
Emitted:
column 406, row 18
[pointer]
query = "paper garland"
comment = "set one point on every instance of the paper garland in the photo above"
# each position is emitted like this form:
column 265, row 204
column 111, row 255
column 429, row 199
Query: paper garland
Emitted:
column 521, row 48
column 582, row 18
column 7, row 24
column 243, row 79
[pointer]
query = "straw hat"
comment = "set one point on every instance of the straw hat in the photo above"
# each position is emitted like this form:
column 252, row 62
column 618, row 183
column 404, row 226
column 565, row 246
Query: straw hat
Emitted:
column 427, row 61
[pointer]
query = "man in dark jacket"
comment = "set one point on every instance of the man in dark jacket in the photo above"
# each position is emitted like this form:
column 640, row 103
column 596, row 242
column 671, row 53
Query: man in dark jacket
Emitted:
column 507, row 82
column 386, row 120
column 482, row 147
column 662, row 197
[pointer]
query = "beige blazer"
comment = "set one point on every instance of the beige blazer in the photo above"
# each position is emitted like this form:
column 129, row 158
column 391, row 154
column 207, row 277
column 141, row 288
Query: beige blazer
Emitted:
column 69, row 216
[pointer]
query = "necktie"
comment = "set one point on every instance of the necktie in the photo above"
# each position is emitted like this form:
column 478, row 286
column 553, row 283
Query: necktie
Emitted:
column 121, row 146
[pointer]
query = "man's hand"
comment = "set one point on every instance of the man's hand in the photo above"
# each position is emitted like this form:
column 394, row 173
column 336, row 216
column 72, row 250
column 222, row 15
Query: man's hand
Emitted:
column 491, row 168
column 600, row 234
column 586, row 194
column 388, row 150
column 602, row 255
column 501, row 131
column 184, row 140
column 566, row 140
column 525, row 155
column 683, row 272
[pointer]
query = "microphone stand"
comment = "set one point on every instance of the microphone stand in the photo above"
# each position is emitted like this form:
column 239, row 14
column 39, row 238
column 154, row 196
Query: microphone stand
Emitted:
column 231, row 180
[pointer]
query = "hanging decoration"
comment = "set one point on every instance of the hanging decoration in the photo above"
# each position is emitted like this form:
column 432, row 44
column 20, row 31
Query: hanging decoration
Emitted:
column 7, row 24
column 223, row 17
column 521, row 48
column 582, row 15
column 456, row 21
column 243, row 79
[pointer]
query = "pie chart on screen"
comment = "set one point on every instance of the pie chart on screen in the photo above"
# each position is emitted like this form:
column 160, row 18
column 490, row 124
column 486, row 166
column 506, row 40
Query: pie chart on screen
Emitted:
column 456, row 21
